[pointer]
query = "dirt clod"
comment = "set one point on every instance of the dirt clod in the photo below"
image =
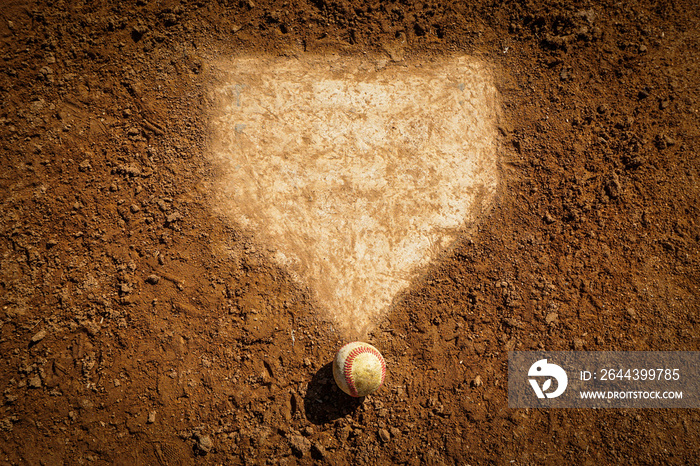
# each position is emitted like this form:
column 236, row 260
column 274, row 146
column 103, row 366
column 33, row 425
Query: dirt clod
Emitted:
column 34, row 382
column 204, row 443
column 300, row 445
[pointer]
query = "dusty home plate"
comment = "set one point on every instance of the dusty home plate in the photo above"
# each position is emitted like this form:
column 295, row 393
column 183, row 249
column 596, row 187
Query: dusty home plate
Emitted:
column 355, row 171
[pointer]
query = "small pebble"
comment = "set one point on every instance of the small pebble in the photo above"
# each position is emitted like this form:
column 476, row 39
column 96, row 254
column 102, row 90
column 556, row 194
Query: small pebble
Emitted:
column 204, row 443
column 384, row 435
column 39, row 336
column 477, row 381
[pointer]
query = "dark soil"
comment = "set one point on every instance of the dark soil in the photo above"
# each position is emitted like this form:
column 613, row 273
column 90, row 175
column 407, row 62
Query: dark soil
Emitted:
column 137, row 327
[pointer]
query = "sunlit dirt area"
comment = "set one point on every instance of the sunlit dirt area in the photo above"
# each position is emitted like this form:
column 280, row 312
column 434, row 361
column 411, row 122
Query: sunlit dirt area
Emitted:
column 177, row 271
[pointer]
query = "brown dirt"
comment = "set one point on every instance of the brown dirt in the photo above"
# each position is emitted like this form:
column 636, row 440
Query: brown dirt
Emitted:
column 137, row 327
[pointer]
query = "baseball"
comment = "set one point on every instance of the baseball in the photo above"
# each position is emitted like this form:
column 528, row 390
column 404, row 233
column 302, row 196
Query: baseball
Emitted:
column 359, row 369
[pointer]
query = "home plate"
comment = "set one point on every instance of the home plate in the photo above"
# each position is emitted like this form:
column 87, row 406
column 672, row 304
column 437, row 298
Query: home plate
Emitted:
column 354, row 171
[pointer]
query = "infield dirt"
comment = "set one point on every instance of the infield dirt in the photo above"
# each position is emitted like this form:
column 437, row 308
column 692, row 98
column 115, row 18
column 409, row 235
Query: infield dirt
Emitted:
column 140, row 323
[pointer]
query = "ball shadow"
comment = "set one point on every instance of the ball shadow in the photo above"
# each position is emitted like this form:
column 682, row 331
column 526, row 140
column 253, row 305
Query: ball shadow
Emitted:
column 324, row 401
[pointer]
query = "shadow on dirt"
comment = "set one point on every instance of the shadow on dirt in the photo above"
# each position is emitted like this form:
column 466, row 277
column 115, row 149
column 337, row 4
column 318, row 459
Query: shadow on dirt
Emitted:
column 324, row 401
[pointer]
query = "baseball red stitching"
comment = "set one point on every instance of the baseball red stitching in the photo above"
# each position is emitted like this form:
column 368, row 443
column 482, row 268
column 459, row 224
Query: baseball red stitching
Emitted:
column 347, row 369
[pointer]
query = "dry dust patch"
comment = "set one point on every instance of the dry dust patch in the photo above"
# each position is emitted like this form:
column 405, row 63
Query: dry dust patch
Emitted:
column 354, row 171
